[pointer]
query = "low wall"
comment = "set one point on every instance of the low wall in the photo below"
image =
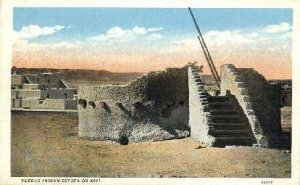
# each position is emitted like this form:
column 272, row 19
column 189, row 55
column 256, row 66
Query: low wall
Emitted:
column 43, row 94
column 31, row 86
column 259, row 100
column 59, row 104
column 199, row 115
column 31, row 103
column 153, row 107
column 16, row 80
column 31, row 93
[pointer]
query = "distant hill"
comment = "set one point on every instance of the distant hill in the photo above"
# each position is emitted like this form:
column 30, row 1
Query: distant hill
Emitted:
column 82, row 74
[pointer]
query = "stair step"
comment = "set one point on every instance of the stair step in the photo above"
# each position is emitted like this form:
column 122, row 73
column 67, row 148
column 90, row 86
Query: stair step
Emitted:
column 228, row 126
column 223, row 112
column 221, row 105
column 234, row 138
column 226, row 118
column 218, row 99
column 229, row 133
column 230, row 141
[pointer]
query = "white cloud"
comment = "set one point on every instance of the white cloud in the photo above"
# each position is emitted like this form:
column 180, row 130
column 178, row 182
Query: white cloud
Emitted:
column 155, row 36
column 154, row 29
column 33, row 31
column 277, row 28
column 227, row 41
column 252, row 35
column 215, row 40
column 139, row 30
column 228, row 37
column 118, row 34
column 22, row 38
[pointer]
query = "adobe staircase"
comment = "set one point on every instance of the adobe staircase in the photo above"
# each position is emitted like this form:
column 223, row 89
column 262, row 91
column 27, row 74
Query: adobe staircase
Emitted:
column 228, row 124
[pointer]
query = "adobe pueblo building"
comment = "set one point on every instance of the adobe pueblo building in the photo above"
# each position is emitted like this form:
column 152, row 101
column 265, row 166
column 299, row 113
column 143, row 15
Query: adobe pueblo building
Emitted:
column 41, row 91
column 174, row 104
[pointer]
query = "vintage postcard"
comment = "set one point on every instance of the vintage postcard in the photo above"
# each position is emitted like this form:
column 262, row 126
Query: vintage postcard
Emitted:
column 149, row 93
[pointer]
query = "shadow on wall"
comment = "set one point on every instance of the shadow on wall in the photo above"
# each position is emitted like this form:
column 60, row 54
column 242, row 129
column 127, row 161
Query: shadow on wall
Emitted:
column 266, row 101
column 153, row 107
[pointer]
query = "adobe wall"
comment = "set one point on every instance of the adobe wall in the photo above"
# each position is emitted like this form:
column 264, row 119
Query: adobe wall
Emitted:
column 16, row 80
column 259, row 100
column 71, row 104
column 59, row 104
column 14, row 94
column 199, row 114
column 42, row 91
column 286, row 97
column 46, row 79
column 61, row 93
column 286, row 91
column 31, row 86
column 16, row 103
column 153, row 107
column 31, row 93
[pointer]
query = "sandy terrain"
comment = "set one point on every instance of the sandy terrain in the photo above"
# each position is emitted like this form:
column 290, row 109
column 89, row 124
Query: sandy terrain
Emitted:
column 46, row 144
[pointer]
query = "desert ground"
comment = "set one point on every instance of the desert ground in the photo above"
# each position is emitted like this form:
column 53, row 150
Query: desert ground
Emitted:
column 46, row 144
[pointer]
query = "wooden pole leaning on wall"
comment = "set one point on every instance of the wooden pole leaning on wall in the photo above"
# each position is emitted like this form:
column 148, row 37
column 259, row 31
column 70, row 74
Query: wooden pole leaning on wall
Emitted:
column 206, row 51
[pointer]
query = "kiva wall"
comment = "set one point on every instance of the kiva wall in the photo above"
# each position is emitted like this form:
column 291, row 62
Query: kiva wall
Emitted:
column 259, row 100
column 153, row 107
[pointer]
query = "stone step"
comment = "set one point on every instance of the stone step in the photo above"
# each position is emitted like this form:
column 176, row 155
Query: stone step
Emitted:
column 229, row 133
column 223, row 112
column 218, row 99
column 226, row 118
column 221, row 105
column 228, row 126
column 230, row 141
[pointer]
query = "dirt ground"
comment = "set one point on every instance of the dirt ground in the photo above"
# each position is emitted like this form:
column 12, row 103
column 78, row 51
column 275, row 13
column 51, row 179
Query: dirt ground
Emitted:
column 46, row 144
